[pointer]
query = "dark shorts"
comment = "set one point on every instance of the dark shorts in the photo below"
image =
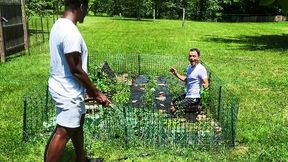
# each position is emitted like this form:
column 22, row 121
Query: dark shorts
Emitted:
column 187, row 104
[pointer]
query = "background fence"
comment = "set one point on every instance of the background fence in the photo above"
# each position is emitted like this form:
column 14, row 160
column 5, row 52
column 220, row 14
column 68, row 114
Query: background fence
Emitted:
column 17, row 33
column 13, row 28
column 147, row 125
column 39, row 29
column 140, row 64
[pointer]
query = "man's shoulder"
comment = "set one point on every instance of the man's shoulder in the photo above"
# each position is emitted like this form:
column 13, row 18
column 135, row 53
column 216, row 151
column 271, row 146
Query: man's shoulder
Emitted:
column 201, row 67
column 66, row 27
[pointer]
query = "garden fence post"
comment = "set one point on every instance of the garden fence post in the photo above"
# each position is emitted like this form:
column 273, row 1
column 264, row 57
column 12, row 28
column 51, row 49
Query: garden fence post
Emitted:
column 47, row 25
column 24, row 132
column 154, row 15
column 46, row 105
column 2, row 45
column 125, row 127
column 232, row 125
column 209, row 92
column 139, row 64
column 42, row 29
column 209, row 78
column 36, row 30
column 234, row 110
column 219, row 102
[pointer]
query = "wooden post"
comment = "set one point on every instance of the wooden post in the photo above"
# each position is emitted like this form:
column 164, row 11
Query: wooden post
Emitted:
column 183, row 19
column 47, row 24
column 25, row 28
column 2, row 47
column 36, row 30
column 42, row 28
column 154, row 13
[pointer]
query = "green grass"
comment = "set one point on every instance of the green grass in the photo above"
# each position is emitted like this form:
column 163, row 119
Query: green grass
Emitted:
column 251, row 58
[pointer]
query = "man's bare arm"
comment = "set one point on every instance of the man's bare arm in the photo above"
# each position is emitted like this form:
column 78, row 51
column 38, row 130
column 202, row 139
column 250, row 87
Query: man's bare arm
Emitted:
column 205, row 83
column 179, row 76
column 75, row 64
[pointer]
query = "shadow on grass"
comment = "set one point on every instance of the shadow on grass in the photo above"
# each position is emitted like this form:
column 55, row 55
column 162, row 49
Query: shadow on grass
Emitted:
column 253, row 43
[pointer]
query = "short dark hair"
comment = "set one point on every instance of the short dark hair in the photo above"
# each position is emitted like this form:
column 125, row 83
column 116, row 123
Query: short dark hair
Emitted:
column 195, row 49
column 74, row 4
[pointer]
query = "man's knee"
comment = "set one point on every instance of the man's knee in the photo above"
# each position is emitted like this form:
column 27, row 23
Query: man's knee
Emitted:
column 191, row 105
column 65, row 132
column 71, row 132
column 62, row 132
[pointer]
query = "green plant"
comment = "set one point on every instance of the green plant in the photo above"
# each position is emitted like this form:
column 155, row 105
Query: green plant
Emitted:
column 101, row 80
column 122, row 94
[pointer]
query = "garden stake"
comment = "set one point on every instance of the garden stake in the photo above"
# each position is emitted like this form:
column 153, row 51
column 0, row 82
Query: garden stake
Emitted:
column 219, row 102
column 24, row 135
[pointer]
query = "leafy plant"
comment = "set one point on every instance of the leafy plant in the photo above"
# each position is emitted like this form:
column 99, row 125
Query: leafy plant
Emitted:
column 101, row 80
column 122, row 94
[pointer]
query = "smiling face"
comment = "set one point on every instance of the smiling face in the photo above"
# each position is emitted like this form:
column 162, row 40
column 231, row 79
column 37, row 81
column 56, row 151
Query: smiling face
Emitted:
column 193, row 58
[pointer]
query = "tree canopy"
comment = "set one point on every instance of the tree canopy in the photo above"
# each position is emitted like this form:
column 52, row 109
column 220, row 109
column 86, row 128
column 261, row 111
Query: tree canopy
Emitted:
column 283, row 4
column 171, row 9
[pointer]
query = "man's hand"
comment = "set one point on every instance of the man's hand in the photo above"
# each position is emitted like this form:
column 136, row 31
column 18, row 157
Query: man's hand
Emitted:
column 99, row 97
column 205, row 83
column 102, row 99
column 173, row 71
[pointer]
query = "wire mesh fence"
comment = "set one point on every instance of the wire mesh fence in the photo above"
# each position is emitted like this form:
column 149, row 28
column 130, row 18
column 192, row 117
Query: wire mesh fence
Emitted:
column 223, row 105
column 148, row 124
column 39, row 29
column 140, row 64
column 37, row 112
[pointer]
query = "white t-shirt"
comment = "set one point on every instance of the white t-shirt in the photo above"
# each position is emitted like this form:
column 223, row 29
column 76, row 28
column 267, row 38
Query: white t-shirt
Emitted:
column 195, row 76
column 65, row 38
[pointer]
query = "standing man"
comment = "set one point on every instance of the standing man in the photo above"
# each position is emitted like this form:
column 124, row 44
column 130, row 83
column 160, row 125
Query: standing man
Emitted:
column 68, row 81
column 196, row 77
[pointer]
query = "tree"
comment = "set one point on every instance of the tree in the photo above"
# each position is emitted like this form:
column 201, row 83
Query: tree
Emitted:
column 100, row 6
column 40, row 7
column 283, row 4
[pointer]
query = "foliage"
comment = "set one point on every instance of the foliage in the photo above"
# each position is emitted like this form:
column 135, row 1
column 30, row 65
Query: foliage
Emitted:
column 248, row 7
column 122, row 94
column 149, row 96
column 40, row 7
column 100, row 6
column 101, row 80
column 283, row 4
column 172, row 9
column 212, row 10
column 175, row 86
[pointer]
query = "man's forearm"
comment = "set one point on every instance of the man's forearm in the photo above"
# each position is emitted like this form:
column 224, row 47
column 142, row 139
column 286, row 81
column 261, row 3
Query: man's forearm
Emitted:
column 205, row 83
column 75, row 64
column 180, row 77
column 82, row 77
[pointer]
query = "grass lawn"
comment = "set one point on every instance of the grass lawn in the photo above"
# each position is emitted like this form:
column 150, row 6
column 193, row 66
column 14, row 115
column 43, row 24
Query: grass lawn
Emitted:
column 251, row 58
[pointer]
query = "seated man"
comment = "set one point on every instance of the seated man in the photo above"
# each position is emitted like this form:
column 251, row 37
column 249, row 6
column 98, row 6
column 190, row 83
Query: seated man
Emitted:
column 196, row 76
